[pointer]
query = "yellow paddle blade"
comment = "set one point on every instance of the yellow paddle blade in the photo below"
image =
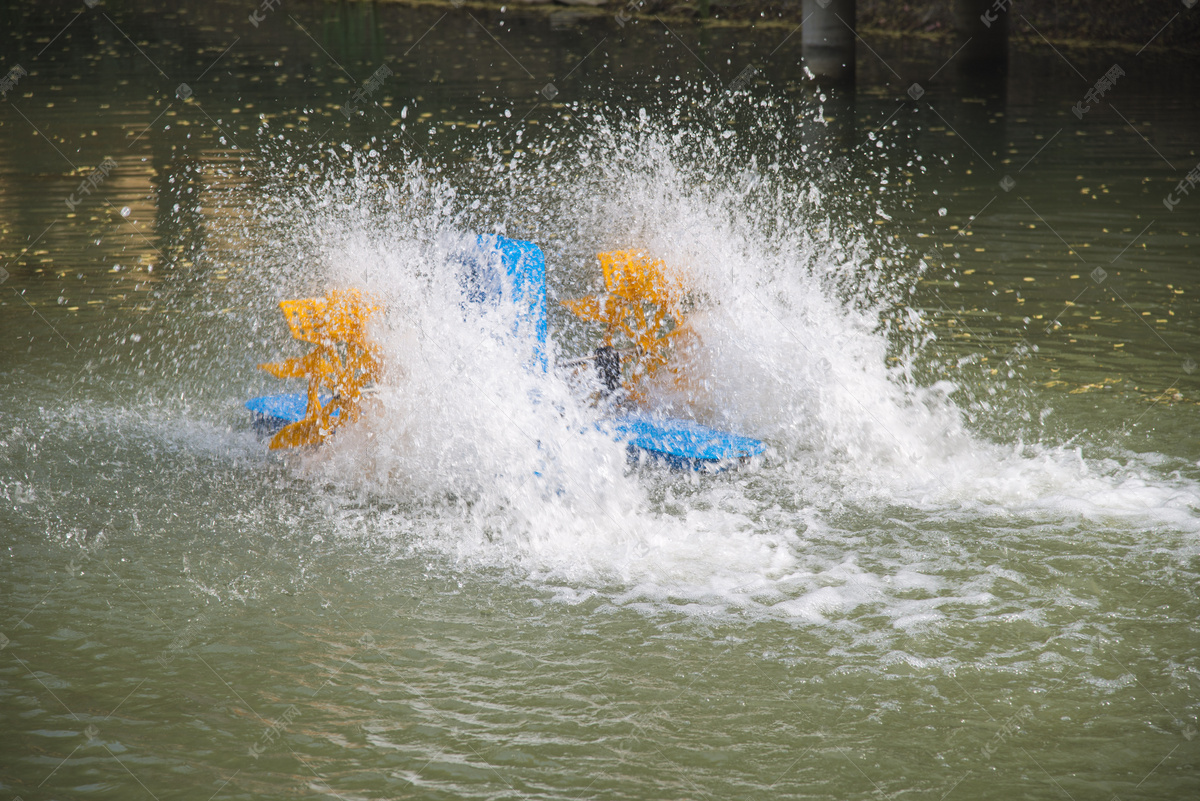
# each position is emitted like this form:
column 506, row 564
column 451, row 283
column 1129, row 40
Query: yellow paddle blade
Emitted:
column 638, row 278
column 295, row 367
column 340, row 316
column 343, row 361
column 591, row 307
column 305, row 432
column 643, row 303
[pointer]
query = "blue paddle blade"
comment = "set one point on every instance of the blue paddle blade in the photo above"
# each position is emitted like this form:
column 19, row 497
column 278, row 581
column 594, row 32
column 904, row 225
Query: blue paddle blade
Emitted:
column 500, row 269
column 269, row 413
column 681, row 443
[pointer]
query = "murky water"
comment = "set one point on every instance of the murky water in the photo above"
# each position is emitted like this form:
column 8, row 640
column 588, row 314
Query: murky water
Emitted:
column 964, row 323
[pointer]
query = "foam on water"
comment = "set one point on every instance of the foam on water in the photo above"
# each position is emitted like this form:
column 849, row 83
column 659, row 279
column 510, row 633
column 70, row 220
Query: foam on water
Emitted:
column 795, row 321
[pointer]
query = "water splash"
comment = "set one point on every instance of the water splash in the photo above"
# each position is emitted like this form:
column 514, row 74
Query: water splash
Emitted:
column 803, row 338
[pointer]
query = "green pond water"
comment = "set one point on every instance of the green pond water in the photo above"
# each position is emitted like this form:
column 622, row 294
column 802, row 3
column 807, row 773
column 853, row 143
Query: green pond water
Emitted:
column 964, row 322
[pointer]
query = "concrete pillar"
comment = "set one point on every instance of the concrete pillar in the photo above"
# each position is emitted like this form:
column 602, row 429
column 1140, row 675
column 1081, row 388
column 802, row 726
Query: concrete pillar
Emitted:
column 985, row 24
column 827, row 39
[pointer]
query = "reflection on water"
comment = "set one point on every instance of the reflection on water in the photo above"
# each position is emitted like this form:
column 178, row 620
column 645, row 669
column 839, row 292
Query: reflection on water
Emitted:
column 959, row 313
